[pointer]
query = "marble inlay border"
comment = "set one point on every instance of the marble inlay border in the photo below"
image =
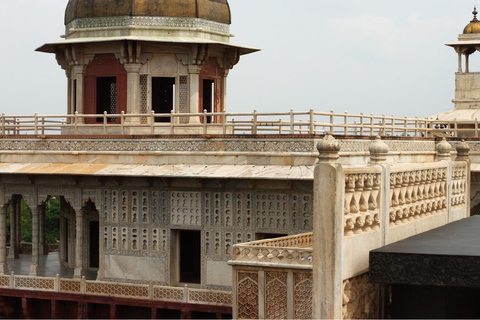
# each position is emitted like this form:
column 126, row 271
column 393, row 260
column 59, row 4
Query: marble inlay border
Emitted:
column 170, row 22
column 247, row 145
column 159, row 145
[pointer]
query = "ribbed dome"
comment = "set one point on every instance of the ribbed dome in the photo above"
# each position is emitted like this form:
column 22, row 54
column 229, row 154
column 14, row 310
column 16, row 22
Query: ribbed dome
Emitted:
column 474, row 25
column 213, row 10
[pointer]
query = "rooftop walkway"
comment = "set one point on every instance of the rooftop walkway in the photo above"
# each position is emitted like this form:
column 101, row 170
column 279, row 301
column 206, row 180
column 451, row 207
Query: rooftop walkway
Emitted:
column 50, row 266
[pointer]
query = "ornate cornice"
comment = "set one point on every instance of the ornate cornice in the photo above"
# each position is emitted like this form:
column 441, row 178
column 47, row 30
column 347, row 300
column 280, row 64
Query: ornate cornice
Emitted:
column 157, row 22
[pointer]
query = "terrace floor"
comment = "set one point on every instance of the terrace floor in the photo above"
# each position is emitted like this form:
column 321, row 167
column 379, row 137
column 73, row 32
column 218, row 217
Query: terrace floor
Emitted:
column 50, row 266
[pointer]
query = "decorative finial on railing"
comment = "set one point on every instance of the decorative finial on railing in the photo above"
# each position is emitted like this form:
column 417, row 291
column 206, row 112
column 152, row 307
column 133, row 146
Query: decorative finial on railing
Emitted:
column 443, row 150
column 328, row 148
column 378, row 151
column 462, row 151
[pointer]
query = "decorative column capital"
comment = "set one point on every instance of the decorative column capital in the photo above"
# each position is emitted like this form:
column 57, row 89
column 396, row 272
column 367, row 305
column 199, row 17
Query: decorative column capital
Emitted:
column 195, row 69
column 132, row 67
column 443, row 150
column 328, row 149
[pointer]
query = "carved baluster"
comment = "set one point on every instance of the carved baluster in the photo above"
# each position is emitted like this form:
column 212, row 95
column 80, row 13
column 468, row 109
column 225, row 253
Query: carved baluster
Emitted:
column 402, row 189
column 363, row 191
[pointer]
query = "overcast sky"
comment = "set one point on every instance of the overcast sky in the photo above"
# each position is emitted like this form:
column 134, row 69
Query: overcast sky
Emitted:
column 370, row 56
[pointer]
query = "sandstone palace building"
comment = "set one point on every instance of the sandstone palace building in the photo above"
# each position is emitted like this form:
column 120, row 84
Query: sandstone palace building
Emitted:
column 173, row 207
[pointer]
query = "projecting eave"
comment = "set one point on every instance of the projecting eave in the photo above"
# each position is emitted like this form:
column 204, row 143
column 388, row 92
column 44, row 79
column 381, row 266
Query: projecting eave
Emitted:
column 52, row 47
column 467, row 43
column 271, row 172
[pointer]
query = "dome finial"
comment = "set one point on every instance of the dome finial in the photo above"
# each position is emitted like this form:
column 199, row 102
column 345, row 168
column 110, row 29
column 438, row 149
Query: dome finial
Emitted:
column 474, row 14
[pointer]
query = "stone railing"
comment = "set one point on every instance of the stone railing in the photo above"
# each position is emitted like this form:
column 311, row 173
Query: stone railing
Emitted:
column 123, row 290
column 292, row 122
column 273, row 278
column 291, row 252
column 356, row 209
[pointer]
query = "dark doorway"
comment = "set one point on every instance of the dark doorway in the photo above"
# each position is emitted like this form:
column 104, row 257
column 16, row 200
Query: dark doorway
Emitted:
column 163, row 96
column 262, row 236
column 107, row 96
column 94, row 243
column 190, row 256
column 208, row 97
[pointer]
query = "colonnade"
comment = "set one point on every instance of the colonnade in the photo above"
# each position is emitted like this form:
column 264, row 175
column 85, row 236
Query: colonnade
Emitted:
column 39, row 245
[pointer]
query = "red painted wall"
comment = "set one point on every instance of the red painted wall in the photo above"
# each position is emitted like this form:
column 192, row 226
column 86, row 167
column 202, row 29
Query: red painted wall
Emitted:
column 104, row 65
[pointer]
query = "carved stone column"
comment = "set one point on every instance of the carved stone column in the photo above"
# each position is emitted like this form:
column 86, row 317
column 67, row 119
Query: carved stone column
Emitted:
column 3, row 240
column 133, row 90
column 194, row 81
column 18, row 225
column 79, row 74
column 328, row 231
column 78, row 272
column 35, row 266
column 13, row 252
column 41, row 230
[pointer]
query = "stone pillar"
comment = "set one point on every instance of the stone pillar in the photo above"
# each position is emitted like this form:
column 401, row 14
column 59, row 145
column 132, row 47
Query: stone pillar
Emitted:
column 3, row 240
column 13, row 252
column 79, row 72
column 41, row 230
column 78, row 272
column 460, row 62
column 223, row 96
column 35, row 267
column 19, row 223
column 194, row 82
column 328, row 231
column 133, row 90
column 467, row 63
column 443, row 150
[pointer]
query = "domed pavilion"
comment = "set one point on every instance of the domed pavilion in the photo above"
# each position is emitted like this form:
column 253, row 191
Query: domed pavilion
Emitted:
column 462, row 121
column 147, row 57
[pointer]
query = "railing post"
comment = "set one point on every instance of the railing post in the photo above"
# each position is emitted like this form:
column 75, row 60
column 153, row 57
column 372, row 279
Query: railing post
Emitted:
column 185, row 293
column 172, row 122
column 332, row 114
column 224, row 121
column 254, row 128
column 36, row 124
column 392, row 124
column 83, row 285
column 56, row 284
column 405, row 126
column 3, row 123
column 104, row 122
column 122, row 122
column 345, row 122
column 204, row 121
column 372, row 124
column 292, row 122
column 152, row 122
column 312, row 127
column 280, row 126
column 12, row 280
column 150, row 291
column 456, row 127
column 328, row 220
column 75, row 128
column 361, row 124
